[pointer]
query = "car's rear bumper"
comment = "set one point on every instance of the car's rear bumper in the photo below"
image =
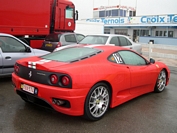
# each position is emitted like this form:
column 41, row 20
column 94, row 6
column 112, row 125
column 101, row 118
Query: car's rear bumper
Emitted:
column 46, row 94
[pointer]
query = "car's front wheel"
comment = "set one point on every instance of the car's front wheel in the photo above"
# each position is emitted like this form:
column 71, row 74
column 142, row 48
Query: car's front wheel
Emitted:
column 97, row 102
column 161, row 82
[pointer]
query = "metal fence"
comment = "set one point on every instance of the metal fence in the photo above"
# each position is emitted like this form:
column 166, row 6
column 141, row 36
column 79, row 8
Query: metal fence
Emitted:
column 161, row 51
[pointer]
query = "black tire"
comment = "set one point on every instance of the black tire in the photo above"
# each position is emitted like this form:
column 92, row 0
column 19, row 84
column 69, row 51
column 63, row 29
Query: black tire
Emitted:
column 97, row 102
column 161, row 82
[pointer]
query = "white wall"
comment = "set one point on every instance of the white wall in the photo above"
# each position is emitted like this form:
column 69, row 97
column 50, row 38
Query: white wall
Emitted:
column 130, row 33
column 111, row 31
column 87, row 28
column 175, row 33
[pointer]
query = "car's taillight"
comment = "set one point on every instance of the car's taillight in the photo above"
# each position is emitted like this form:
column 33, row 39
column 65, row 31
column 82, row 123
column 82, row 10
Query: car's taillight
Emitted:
column 58, row 45
column 65, row 80
column 16, row 68
column 53, row 79
column 60, row 80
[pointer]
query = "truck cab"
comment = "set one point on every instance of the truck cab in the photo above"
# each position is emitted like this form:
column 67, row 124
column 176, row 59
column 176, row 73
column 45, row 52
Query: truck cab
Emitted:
column 31, row 20
column 62, row 16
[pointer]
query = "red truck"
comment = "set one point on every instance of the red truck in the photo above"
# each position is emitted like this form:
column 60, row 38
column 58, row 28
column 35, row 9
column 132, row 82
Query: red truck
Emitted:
column 32, row 20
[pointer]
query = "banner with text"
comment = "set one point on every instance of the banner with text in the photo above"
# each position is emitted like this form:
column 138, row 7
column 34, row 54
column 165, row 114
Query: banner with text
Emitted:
column 162, row 19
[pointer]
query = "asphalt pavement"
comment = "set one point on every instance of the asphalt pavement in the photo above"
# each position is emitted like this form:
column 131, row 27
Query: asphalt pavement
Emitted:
column 150, row 113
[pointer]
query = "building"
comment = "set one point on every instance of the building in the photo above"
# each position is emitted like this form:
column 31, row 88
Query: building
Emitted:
column 159, row 29
column 113, row 11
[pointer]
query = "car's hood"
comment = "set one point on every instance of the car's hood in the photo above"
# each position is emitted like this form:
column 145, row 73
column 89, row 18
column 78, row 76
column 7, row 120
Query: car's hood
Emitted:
column 38, row 52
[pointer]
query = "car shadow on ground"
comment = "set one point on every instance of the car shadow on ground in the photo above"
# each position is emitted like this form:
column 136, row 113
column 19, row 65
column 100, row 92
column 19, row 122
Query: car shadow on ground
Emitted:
column 5, row 79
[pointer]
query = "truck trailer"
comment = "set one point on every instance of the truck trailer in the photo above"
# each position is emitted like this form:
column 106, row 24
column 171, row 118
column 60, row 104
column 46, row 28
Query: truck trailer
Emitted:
column 32, row 20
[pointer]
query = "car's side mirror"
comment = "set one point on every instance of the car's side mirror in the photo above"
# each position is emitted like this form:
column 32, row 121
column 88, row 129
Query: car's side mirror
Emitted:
column 76, row 15
column 152, row 61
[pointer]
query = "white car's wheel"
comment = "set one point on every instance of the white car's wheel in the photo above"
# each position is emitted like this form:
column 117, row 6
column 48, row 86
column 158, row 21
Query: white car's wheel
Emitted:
column 97, row 102
column 161, row 81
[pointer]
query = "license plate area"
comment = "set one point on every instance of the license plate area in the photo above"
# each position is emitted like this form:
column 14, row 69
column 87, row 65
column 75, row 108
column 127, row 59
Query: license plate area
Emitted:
column 48, row 45
column 29, row 89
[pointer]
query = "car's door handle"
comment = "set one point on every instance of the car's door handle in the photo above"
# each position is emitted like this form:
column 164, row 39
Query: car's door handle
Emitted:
column 8, row 57
column 131, row 48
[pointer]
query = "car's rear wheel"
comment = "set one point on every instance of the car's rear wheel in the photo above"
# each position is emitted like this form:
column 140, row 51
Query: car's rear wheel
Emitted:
column 161, row 82
column 97, row 102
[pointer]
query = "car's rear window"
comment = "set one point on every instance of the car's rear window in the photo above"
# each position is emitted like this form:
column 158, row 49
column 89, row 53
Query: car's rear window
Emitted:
column 94, row 39
column 53, row 37
column 72, row 54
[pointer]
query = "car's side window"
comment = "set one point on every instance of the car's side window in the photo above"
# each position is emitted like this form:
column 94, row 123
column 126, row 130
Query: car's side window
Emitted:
column 79, row 37
column 114, row 40
column 128, row 42
column 123, row 41
column 70, row 38
column 131, row 58
column 9, row 44
column 2, row 43
column 115, row 57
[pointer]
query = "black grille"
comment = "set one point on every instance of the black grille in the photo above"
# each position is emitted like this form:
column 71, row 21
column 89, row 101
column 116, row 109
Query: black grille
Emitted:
column 33, row 99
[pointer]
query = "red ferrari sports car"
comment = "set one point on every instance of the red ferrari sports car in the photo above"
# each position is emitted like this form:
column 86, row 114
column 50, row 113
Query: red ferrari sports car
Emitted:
column 86, row 80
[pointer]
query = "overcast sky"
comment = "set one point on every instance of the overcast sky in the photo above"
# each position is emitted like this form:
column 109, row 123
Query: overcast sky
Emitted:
column 144, row 7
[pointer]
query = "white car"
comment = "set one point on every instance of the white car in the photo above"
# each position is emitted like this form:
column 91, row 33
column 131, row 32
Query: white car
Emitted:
column 12, row 49
column 117, row 40
column 107, row 39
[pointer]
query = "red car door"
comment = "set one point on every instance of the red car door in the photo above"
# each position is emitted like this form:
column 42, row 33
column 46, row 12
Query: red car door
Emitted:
column 143, row 75
column 143, row 78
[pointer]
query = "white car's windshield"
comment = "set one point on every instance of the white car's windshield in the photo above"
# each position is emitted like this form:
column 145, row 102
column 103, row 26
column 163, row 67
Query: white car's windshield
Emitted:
column 94, row 39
